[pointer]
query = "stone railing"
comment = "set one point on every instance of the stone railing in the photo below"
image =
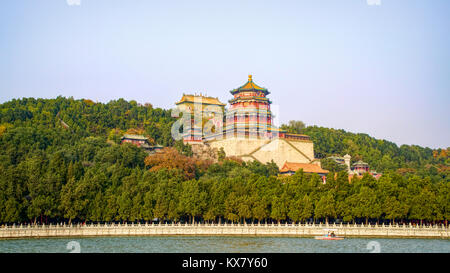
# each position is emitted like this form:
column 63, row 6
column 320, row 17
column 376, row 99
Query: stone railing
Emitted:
column 295, row 230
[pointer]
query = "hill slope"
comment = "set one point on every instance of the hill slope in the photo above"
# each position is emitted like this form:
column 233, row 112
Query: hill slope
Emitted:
column 59, row 162
column 382, row 155
column 66, row 120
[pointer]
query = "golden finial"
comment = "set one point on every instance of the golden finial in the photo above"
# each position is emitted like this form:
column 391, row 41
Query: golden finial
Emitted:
column 249, row 78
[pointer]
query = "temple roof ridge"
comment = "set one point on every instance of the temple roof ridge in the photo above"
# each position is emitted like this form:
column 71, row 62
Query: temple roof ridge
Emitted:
column 250, row 85
column 205, row 99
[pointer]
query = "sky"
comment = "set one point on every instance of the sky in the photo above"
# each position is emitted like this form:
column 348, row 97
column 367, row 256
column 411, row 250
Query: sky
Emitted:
column 383, row 70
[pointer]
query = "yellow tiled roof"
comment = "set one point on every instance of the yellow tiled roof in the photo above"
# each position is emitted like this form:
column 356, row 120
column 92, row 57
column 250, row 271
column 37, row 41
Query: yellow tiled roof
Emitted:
column 250, row 85
column 205, row 100
column 307, row 168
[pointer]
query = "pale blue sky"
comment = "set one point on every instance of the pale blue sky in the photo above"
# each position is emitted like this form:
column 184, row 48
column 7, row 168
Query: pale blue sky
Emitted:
column 381, row 70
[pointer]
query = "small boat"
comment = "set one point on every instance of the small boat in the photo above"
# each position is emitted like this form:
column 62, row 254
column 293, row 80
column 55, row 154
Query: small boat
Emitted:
column 328, row 238
column 329, row 235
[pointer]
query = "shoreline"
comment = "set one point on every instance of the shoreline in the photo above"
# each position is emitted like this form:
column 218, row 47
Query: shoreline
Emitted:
column 235, row 230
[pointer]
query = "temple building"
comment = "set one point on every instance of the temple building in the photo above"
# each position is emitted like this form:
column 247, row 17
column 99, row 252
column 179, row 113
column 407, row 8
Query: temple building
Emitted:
column 289, row 168
column 201, row 109
column 142, row 142
column 245, row 130
column 345, row 160
column 249, row 115
column 138, row 140
column 358, row 168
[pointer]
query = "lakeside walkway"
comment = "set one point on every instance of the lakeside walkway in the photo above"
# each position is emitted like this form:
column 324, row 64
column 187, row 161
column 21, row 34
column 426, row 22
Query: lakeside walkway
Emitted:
column 292, row 230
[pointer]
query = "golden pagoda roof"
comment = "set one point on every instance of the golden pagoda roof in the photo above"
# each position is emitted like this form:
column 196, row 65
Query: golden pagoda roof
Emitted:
column 204, row 100
column 250, row 85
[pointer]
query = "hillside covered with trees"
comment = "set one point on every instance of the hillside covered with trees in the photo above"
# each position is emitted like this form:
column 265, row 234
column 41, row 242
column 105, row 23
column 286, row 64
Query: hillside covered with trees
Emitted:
column 381, row 155
column 60, row 161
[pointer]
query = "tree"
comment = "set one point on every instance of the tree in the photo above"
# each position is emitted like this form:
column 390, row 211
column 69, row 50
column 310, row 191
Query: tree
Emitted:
column 115, row 135
column 279, row 208
column 192, row 199
column 184, row 149
column 294, row 127
column 331, row 165
column 423, row 206
column 221, row 154
column 147, row 207
column 272, row 168
column 160, row 209
column 75, row 172
column 260, row 209
column 170, row 159
column 443, row 201
column 68, row 201
column 307, row 208
column 367, row 205
column 231, row 207
column 392, row 208
column 325, row 207
column 347, row 208
column 244, row 208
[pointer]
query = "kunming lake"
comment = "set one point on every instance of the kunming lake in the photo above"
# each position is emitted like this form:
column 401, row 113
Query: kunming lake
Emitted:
column 226, row 244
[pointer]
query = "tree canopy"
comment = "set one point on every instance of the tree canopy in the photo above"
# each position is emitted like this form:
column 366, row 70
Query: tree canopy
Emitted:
column 61, row 161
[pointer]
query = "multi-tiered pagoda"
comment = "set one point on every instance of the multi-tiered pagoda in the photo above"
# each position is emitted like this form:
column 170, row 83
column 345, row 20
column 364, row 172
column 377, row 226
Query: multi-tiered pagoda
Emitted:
column 249, row 114
column 244, row 130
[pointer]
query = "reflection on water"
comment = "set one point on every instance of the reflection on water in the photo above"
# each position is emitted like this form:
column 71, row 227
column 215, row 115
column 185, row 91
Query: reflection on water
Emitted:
column 225, row 244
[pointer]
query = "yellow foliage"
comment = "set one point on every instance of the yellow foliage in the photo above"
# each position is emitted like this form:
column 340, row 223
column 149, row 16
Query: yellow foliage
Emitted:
column 443, row 154
column 89, row 102
column 435, row 153
column 2, row 129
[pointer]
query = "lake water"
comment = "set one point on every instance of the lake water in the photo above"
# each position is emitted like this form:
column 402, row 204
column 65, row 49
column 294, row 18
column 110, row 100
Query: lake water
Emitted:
column 228, row 244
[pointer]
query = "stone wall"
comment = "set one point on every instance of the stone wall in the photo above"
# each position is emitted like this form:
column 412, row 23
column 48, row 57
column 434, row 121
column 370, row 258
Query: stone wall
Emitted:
column 264, row 150
column 205, row 152
column 403, row 231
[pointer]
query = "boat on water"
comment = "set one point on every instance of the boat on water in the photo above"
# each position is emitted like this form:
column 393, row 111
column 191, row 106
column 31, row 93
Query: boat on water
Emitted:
column 329, row 235
column 325, row 237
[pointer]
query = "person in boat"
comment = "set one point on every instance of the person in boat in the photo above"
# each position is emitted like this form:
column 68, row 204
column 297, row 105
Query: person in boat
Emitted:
column 332, row 234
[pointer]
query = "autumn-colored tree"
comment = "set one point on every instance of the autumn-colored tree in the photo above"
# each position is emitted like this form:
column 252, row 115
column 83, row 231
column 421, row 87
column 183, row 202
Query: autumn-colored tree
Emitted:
column 170, row 158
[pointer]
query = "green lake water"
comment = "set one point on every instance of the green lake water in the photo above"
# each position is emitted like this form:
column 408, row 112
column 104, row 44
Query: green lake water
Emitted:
column 226, row 244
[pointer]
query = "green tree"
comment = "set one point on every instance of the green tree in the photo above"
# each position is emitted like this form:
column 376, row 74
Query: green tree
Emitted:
column 423, row 206
column 331, row 165
column 294, row 126
column 367, row 205
column 221, row 154
column 325, row 207
column 279, row 208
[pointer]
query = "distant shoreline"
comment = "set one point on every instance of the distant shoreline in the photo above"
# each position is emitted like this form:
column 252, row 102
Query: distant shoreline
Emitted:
column 238, row 230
